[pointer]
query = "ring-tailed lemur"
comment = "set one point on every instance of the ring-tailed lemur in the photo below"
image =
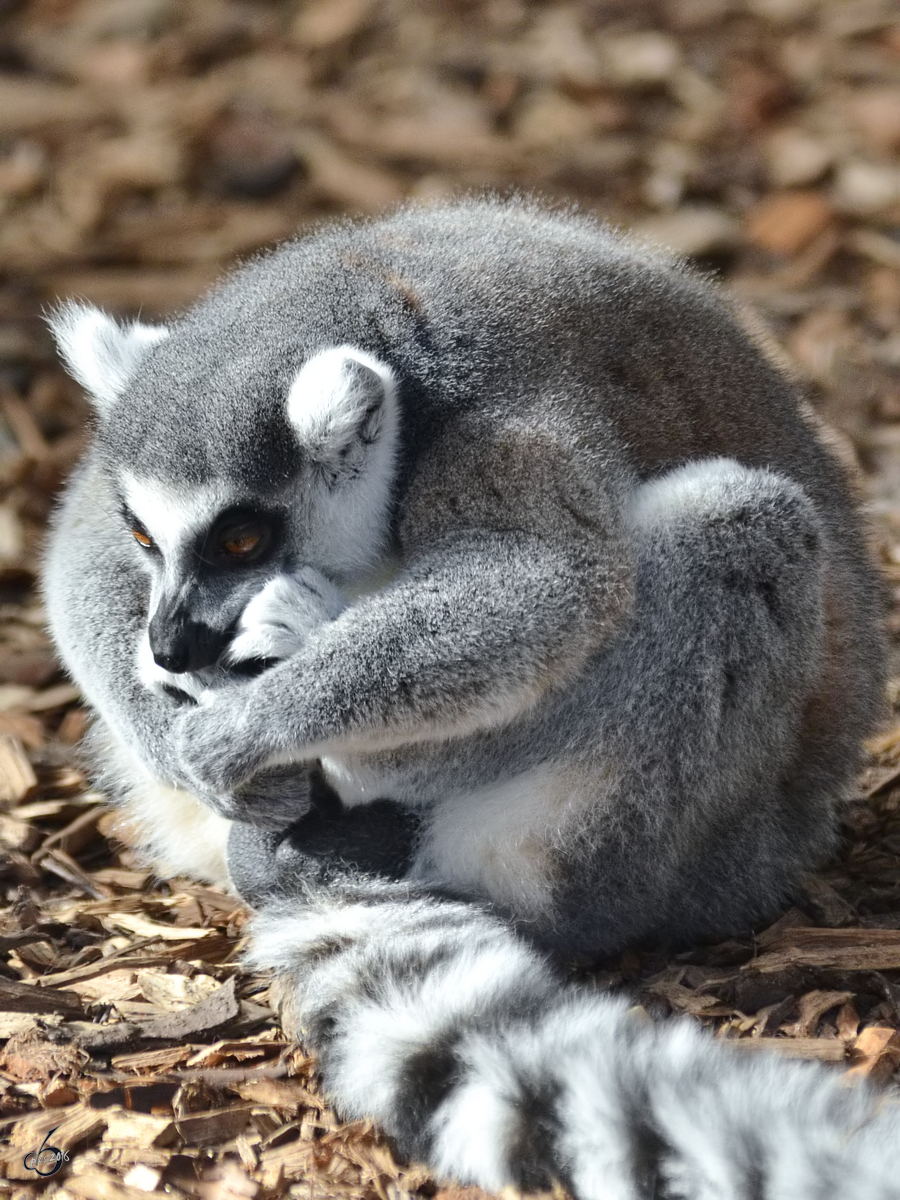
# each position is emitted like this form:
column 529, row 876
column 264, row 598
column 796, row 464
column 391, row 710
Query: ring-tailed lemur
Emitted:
column 482, row 581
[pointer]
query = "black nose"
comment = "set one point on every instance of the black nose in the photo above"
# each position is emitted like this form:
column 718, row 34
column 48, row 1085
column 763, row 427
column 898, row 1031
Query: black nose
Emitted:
column 174, row 660
column 179, row 645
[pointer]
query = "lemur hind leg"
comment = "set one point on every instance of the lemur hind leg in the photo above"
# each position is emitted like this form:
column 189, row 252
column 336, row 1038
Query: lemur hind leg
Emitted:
column 702, row 702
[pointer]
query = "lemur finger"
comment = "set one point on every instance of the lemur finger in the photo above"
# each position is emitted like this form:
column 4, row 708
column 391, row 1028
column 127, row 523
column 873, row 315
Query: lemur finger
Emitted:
column 278, row 620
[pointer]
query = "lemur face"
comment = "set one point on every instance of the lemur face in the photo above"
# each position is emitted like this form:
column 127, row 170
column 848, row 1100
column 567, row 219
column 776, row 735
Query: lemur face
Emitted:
column 207, row 553
column 227, row 477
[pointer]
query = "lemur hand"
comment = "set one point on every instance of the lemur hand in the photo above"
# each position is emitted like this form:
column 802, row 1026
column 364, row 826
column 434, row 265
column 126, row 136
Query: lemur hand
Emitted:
column 222, row 743
column 223, row 746
column 277, row 621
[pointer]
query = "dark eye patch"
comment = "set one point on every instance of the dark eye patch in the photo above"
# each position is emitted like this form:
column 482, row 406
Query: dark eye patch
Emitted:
column 242, row 536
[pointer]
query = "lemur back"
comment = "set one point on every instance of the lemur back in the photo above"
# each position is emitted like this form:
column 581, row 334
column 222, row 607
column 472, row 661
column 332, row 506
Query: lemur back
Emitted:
column 474, row 585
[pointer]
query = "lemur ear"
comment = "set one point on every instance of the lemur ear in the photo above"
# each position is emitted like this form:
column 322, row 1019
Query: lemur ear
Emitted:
column 101, row 353
column 340, row 404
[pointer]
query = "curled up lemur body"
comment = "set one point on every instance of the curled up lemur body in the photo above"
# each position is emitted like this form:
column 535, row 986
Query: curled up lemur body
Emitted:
column 470, row 591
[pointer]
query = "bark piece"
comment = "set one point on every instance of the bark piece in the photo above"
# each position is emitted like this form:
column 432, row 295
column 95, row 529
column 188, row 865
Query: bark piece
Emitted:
column 144, row 1178
column 841, row 949
column 100, row 1039
column 216, row 1010
column 280, row 1093
column 26, row 998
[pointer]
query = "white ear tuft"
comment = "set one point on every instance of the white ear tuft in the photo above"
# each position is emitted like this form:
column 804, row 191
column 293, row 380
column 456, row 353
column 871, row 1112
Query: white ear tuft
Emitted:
column 101, row 353
column 341, row 402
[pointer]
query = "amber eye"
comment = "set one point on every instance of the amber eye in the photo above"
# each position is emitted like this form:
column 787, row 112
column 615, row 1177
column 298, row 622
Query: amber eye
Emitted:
column 241, row 544
column 142, row 539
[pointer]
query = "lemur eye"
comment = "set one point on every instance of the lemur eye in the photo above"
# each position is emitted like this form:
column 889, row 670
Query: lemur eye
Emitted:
column 239, row 545
column 240, row 537
column 142, row 539
column 244, row 544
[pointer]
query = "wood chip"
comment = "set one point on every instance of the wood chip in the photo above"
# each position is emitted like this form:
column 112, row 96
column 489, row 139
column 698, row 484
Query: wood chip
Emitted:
column 152, row 1060
column 13, row 1023
column 56, row 697
column 72, row 1127
column 22, row 422
column 280, row 1093
column 813, row 1007
column 817, row 1049
column 113, row 962
column 825, row 902
column 135, row 923
column 17, row 777
column 145, row 1179
column 121, row 877
column 876, row 1053
column 74, row 836
column 214, row 1127
column 241, row 1049
column 285, row 1162
column 138, row 1129
column 97, row 1184
column 115, row 985
column 173, row 992
column 63, row 865
column 18, row 835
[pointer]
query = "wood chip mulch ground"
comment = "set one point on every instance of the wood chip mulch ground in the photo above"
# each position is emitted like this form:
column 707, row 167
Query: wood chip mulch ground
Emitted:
column 144, row 144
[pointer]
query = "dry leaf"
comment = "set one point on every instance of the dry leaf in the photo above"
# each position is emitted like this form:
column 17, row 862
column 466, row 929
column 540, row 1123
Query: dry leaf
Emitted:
column 786, row 222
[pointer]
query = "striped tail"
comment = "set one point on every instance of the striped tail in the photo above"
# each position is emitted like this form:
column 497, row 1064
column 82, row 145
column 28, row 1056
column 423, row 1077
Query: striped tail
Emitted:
column 436, row 1020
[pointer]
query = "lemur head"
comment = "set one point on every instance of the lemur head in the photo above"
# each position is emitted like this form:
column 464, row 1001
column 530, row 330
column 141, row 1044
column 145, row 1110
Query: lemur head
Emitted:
column 233, row 465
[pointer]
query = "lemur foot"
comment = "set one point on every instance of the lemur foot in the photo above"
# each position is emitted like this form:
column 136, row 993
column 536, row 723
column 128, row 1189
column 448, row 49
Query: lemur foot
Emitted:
column 328, row 842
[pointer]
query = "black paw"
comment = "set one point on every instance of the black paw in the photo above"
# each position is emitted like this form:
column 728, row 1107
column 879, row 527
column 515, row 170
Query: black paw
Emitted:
column 328, row 843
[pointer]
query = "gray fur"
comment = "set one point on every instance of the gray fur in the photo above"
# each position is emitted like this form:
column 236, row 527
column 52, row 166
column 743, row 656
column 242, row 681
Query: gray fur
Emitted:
column 595, row 605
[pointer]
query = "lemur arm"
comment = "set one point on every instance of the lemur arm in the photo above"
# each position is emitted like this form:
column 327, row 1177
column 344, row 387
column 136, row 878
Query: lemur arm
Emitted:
column 489, row 612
